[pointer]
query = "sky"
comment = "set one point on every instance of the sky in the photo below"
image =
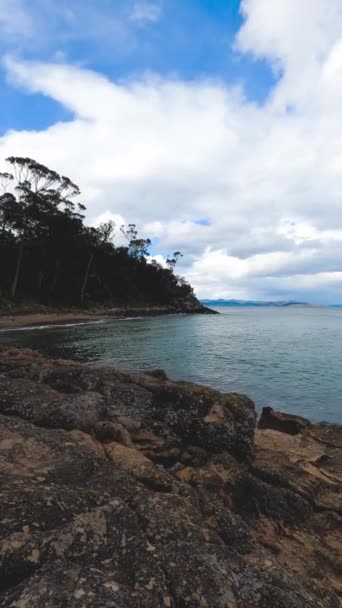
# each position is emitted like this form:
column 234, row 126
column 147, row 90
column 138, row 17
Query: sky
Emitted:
column 213, row 125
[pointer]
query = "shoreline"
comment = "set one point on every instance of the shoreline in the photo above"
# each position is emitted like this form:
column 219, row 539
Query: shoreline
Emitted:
column 30, row 320
column 110, row 475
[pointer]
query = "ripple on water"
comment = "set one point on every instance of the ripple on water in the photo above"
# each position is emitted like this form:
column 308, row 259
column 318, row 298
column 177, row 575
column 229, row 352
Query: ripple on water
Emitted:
column 287, row 358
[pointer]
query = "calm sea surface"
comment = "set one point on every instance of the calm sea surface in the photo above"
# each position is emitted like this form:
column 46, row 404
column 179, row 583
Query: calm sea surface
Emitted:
column 289, row 358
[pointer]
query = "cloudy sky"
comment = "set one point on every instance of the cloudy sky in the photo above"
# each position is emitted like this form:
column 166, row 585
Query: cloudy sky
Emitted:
column 214, row 125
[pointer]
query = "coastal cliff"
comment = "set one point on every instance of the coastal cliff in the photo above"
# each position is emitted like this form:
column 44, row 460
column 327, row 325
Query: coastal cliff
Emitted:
column 131, row 490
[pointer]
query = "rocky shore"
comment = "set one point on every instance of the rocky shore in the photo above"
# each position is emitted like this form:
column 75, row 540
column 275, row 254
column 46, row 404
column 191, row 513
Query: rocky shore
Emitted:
column 133, row 491
column 34, row 318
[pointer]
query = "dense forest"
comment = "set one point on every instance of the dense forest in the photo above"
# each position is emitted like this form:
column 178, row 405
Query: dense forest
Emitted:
column 49, row 255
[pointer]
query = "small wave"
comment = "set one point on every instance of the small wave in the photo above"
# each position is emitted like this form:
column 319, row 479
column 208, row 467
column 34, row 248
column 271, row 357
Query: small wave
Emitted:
column 53, row 326
column 129, row 319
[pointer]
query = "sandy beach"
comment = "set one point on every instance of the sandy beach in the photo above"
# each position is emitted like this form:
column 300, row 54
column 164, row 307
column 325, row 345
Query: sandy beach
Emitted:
column 35, row 319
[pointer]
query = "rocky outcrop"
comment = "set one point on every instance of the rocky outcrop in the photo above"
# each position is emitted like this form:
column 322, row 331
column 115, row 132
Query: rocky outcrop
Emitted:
column 121, row 490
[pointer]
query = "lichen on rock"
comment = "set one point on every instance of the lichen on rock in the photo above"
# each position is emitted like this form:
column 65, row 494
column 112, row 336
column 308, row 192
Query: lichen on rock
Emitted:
column 122, row 490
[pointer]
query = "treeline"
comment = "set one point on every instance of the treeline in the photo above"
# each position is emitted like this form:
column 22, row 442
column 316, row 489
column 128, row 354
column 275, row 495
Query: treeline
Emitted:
column 49, row 255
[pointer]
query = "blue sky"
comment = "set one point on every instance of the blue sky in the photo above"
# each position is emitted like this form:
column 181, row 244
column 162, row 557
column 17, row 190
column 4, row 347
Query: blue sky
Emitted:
column 190, row 40
column 215, row 126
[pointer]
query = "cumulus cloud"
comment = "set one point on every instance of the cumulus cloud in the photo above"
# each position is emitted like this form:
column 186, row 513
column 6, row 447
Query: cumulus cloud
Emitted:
column 164, row 153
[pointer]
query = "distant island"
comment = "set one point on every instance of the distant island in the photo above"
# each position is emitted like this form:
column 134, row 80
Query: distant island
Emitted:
column 282, row 304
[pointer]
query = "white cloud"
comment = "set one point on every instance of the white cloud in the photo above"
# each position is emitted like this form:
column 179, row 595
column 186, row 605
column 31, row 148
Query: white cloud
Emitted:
column 47, row 27
column 160, row 259
column 165, row 153
column 276, row 274
column 299, row 38
column 145, row 11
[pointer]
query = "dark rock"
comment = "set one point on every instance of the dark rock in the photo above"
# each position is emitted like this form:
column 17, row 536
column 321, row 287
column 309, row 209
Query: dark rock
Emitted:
column 285, row 423
column 119, row 491
column 111, row 431
column 160, row 374
column 255, row 497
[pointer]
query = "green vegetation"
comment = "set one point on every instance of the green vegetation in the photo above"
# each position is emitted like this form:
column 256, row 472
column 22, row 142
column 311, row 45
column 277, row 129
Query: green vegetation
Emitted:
column 49, row 256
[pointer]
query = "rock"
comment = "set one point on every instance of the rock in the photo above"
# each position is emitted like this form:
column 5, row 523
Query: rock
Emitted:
column 309, row 464
column 88, row 442
column 48, row 408
column 121, row 490
column 254, row 497
column 135, row 463
column 160, row 374
column 194, row 456
column 216, row 576
column 192, row 415
column 106, row 431
column 285, row 423
column 230, row 527
column 129, row 423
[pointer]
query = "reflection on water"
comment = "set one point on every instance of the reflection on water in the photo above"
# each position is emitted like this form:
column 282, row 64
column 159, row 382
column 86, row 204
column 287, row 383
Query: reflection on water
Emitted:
column 287, row 358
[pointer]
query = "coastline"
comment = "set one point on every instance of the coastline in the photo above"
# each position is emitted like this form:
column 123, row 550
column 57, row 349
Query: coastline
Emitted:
column 113, row 480
column 21, row 320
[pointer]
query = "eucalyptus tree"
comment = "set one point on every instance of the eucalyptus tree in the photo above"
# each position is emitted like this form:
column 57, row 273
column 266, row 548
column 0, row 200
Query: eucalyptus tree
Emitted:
column 171, row 262
column 94, row 238
column 49, row 255
column 137, row 248
column 32, row 196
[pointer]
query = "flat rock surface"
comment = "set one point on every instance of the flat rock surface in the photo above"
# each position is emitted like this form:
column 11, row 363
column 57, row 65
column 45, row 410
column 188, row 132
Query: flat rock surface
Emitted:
column 121, row 490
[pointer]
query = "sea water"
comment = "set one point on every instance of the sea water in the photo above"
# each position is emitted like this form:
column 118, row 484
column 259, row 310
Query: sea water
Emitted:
column 287, row 358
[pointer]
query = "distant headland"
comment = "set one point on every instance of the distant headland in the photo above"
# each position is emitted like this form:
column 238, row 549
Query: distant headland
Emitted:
column 283, row 303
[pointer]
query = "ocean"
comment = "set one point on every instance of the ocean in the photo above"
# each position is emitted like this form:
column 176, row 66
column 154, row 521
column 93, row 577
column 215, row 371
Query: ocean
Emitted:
column 287, row 358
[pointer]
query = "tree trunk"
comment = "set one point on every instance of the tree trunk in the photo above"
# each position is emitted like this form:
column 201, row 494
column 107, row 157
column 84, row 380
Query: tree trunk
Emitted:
column 17, row 270
column 85, row 278
column 40, row 279
column 55, row 276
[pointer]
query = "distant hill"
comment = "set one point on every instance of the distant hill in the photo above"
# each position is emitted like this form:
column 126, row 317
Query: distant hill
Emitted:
column 282, row 304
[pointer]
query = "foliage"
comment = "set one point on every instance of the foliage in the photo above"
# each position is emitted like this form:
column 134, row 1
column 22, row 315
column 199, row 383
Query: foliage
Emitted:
column 48, row 254
column 137, row 248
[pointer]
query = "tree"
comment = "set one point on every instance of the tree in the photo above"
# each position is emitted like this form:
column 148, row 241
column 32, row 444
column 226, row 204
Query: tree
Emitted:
column 14, row 218
column 6, row 199
column 171, row 262
column 49, row 255
column 94, row 238
column 38, row 194
column 137, row 248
